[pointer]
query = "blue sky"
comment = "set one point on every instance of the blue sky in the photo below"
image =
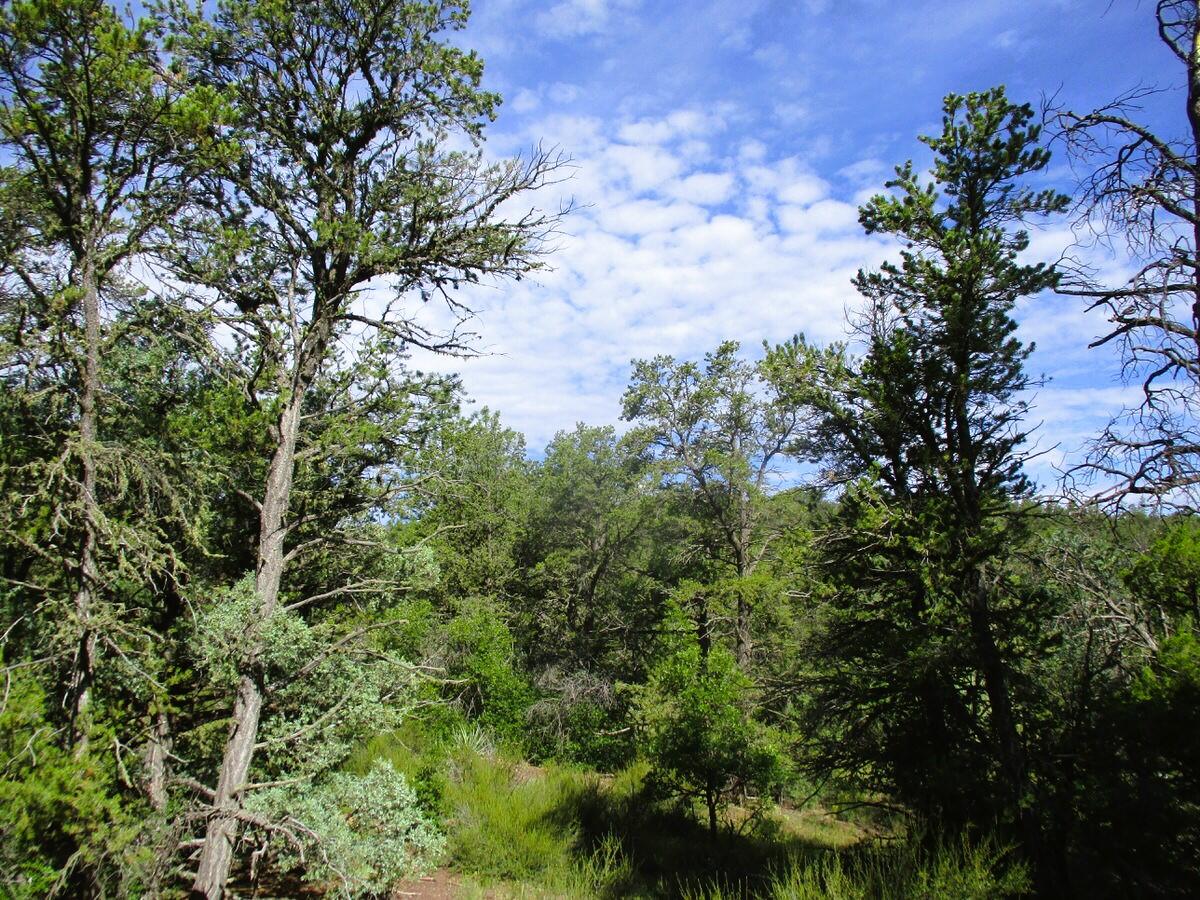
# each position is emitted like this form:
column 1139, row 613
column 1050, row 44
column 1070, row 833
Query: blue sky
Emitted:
column 720, row 151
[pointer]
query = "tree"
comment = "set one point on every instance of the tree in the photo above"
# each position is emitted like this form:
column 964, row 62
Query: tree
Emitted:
column 102, row 142
column 1113, row 744
column 587, row 534
column 345, row 202
column 592, row 595
column 474, row 505
column 720, row 430
column 922, row 646
column 1145, row 187
column 692, row 715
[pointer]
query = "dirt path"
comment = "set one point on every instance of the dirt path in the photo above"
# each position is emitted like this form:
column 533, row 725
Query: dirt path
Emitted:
column 440, row 885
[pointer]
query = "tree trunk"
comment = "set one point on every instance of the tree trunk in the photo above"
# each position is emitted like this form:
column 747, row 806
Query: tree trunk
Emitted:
column 703, row 630
column 157, row 750
column 995, row 683
column 83, row 673
column 744, row 570
column 221, row 833
column 1193, row 111
column 742, row 647
column 1004, row 726
column 710, row 799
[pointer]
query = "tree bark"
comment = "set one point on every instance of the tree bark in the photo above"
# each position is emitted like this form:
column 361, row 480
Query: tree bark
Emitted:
column 1193, row 112
column 157, row 750
column 221, row 833
column 83, row 672
column 710, row 800
column 744, row 570
column 703, row 630
column 1004, row 729
column 742, row 647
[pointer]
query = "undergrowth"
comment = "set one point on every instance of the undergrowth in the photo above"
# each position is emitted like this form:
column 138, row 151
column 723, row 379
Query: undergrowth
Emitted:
column 516, row 830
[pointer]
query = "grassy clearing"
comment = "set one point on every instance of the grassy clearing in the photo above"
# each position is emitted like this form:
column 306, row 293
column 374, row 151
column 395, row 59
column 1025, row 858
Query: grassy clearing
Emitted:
column 518, row 831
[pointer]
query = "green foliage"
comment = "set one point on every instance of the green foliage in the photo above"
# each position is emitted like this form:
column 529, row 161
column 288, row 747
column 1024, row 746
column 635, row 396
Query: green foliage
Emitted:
column 697, row 733
column 947, row 650
column 1140, row 800
column 221, row 640
column 362, row 832
column 981, row 871
column 584, row 732
column 586, row 553
column 481, row 663
column 1168, row 575
column 64, row 827
column 478, row 504
column 716, row 432
column 922, row 689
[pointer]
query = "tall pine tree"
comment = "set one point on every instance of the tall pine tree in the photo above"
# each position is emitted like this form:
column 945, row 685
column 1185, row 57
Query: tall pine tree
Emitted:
column 921, row 688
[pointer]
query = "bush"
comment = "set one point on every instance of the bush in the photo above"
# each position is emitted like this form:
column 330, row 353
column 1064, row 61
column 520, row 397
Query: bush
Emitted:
column 63, row 825
column 698, row 736
column 362, row 832
column 481, row 656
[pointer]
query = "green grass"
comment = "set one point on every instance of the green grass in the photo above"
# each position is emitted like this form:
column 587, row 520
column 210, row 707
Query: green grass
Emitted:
column 519, row 831
column 956, row 871
column 508, row 825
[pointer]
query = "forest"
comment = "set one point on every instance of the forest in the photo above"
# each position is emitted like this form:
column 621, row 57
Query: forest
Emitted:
column 280, row 615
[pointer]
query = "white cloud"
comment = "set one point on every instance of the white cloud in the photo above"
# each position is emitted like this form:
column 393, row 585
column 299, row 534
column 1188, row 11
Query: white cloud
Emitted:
column 705, row 188
column 559, row 93
column 773, row 56
column 525, row 101
column 646, row 132
column 684, row 123
column 870, row 172
column 642, row 167
column 822, row 217
column 802, row 188
column 792, row 113
column 677, row 246
column 642, row 217
column 562, row 93
column 667, row 254
column 576, row 18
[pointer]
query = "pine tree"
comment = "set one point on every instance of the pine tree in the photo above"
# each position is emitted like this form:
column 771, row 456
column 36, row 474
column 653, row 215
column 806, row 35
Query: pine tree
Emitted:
column 347, row 203
column 922, row 685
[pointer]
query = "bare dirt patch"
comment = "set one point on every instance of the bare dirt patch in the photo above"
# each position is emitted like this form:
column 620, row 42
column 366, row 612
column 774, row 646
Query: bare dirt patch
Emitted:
column 441, row 884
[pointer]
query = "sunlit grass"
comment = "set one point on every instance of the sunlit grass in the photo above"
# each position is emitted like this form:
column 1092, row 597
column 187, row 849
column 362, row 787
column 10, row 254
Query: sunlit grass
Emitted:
column 521, row 831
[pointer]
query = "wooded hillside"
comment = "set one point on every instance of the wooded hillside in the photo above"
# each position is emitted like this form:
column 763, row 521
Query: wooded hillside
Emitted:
column 278, row 614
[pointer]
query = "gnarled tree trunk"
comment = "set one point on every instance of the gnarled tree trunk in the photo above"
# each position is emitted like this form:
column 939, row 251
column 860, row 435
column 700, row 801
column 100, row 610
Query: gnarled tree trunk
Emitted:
column 222, row 830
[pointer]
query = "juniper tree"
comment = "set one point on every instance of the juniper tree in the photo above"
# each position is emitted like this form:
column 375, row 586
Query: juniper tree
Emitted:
column 719, row 430
column 102, row 142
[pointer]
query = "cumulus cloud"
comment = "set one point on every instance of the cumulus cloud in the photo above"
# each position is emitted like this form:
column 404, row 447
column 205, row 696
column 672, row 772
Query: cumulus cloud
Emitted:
column 683, row 238
column 673, row 249
column 575, row 18
column 705, row 188
column 721, row 152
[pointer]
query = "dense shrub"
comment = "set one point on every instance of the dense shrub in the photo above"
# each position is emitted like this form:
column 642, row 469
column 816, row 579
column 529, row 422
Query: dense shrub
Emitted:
column 360, row 832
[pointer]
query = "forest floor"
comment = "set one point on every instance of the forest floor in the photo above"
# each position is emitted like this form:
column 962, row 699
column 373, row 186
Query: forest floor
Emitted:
column 524, row 832
column 442, row 884
column 518, row 831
